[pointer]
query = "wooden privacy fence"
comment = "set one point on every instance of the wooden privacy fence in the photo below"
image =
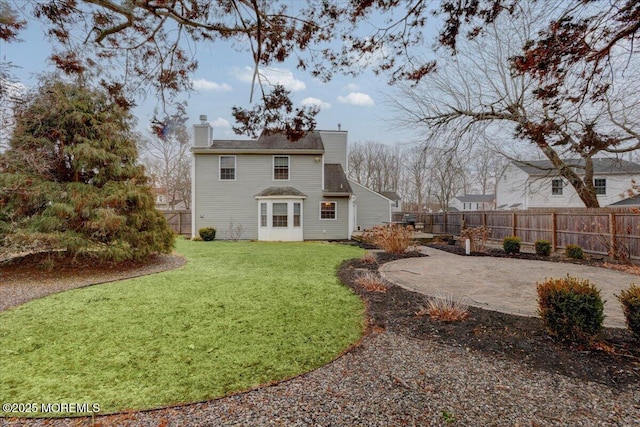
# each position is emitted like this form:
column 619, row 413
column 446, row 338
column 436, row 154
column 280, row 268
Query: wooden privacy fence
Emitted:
column 179, row 221
column 598, row 231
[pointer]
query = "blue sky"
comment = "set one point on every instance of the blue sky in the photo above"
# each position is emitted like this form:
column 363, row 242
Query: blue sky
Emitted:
column 223, row 79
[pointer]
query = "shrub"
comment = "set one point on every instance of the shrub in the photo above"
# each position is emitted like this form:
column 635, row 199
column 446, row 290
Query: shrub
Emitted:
column 574, row 251
column 571, row 309
column 543, row 247
column 207, row 233
column 446, row 309
column 477, row 237
column 369, row 258
column 393, row 238
column 371, row 282
column 630, row 300
column 511, row 244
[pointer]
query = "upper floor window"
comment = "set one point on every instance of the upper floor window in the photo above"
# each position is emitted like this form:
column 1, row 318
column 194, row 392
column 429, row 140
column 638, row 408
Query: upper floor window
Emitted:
column 228, row 168
column 281, row 167
column 556, row 187
column 600, row 185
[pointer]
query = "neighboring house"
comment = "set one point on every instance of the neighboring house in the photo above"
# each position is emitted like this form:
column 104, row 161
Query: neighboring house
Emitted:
column 275, row 189
column 534, row 184
column 163, row 200
column 396, row 200
column 473, row 202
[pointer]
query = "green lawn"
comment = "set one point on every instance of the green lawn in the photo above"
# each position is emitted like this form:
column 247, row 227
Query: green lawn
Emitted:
column 236, row 316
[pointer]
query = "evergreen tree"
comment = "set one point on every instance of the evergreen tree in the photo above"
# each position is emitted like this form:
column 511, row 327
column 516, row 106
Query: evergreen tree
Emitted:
column 69, row 182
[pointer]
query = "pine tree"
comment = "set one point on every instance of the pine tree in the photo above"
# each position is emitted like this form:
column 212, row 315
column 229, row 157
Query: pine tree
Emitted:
column 69, row 182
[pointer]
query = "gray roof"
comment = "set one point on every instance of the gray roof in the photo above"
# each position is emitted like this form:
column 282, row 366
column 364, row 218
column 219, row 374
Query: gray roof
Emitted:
column 631, row 201
column 335, row 180
column 604, row 166
column 477, row 198
column 272, row 141
column 281, row 191
column 391, row 195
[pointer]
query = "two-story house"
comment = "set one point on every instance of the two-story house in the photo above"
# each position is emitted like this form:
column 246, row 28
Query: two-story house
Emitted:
column 279, row 190
column 473, row 202
column 535, row 184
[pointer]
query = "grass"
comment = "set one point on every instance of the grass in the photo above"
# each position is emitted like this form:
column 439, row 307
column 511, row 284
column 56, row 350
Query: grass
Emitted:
column 236, row 316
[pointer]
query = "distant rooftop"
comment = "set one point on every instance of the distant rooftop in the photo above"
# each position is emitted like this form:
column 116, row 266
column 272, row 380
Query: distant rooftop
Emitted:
column 602, row 166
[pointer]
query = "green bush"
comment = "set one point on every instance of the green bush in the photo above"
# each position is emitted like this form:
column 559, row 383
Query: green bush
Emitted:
column 543, row 247
column 574, row 251
column 511, row 244
column 630, row 300
column 571, row 309
column 207, row 233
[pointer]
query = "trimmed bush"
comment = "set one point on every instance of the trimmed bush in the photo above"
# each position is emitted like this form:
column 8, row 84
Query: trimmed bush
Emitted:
column 511, row 244
column 543, row 247
column 571, row 309
column 207, row 234
column 630, row 300
column 574, row 251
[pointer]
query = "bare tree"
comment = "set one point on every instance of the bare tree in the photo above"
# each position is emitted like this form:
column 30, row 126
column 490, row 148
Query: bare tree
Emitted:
column 416, row 178
column 167, row 157
column 448, row 175
column 375, row 165
column 480, row 88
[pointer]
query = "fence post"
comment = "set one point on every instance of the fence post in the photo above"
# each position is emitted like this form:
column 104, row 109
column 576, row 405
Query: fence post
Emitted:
column 554, row 228
column 445, row 222
column 612, row 235
column 513, row 223
column 180, row 223
column 484, row 219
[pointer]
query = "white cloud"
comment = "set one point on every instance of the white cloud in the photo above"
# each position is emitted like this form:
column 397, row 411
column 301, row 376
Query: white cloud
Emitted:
column 310, row 101
column 220, row 123
column 351, row 87
column 204, row 84
column 272, row 76
column 357, row 98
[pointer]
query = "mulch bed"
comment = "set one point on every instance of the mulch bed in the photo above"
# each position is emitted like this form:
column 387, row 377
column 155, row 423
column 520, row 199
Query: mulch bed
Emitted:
column 506, row 336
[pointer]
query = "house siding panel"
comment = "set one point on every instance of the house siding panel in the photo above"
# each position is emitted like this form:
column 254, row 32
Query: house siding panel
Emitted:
column 335, row 146
column 373, row 209
column 219, row 202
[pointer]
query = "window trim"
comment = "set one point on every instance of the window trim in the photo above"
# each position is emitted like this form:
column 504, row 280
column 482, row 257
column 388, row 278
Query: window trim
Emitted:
column 602, row 187
column 235, row 167
column 335, row 210
column 555, row 190
column 273, row 168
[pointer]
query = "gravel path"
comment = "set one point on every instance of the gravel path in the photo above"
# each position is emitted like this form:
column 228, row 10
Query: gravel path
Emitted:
column 391, row 379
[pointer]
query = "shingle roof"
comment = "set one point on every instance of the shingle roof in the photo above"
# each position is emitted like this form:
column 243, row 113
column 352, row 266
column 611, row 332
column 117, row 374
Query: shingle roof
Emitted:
column 631, row 201
column 335, row 180
column 391, row 195
column 281, row 191
column 272, row 141
column 604, row 166
column 477, row 198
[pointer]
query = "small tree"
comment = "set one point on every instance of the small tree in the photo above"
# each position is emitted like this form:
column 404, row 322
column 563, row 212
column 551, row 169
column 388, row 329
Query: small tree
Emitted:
column 69, row 182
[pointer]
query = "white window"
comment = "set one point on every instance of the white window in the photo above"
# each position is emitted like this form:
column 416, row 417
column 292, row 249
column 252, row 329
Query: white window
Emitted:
column 263, row 214
column 279, row 217
column 296, row 214
column 281, row 168
column 556, row 187
column 327, row 210
column 601, row 185
column 227, row 168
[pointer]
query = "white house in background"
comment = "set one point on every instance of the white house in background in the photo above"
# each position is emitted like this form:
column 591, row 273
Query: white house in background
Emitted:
column 396, row 200
column 535, row 184
column 473, row 202
column 276, row 189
